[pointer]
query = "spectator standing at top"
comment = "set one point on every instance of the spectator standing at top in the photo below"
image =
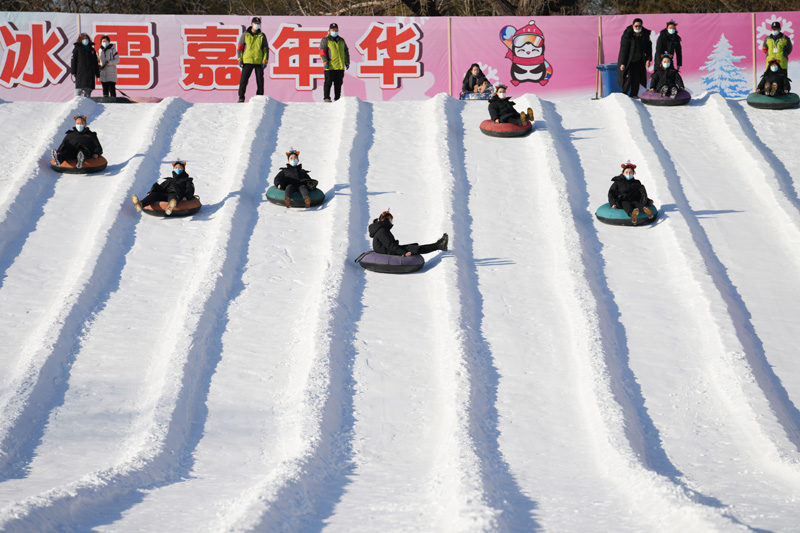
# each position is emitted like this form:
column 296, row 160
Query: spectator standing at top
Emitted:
column 669, row 44
column 778, row 46
column 84, row 66
column 108, row 60
column 635, row 55
column 336, row 59
column 253, row 55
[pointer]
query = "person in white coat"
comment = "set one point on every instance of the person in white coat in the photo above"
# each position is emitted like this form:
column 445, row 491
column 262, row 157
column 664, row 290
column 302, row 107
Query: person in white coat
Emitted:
column 108, row 58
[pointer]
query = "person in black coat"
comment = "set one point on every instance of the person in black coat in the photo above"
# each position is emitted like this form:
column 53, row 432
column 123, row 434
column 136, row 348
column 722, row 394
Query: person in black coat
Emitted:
column 669, row 44
column 84, row 66
column 774, row 81
column 80, row 143
column 666, row 80
column 628, row 193
column 383, row 242
column 178, row 187
column 293, row 177
column 635, row 55
column 475, row 81
column 501, row 109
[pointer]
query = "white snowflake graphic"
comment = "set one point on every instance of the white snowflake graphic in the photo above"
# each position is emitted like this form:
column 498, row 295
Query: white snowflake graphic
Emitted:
column 765, row 29
column 408, row 21
column 490, row 73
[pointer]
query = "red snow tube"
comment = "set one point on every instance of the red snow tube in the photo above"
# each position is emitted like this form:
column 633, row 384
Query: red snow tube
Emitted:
column 183, row 209
column 491, row 128
column 89, row 166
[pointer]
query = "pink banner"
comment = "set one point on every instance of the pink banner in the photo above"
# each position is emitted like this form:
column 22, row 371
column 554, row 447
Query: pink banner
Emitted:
column 194, row 57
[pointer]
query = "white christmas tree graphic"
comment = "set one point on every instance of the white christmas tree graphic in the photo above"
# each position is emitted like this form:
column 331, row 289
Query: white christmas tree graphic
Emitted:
column 723, row 76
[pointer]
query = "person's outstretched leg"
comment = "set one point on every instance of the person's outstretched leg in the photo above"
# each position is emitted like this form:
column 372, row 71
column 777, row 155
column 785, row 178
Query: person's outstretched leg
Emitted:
column 306, row 197
column 288, row 192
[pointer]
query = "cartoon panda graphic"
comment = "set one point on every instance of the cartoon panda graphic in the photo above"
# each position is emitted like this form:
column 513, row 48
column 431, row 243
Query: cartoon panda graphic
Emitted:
column 526, row 52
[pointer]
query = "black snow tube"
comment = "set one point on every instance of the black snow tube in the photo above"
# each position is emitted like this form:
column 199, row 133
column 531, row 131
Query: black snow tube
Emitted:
column 110, row 100
column 654, row 98
column 491, row 128
column 618, row 217
column 391, row 264
column 762, row 101
column 184, row 208
column 90, row 166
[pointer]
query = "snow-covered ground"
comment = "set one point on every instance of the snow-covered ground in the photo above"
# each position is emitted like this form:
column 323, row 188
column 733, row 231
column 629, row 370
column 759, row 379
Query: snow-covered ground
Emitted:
column 236, row 371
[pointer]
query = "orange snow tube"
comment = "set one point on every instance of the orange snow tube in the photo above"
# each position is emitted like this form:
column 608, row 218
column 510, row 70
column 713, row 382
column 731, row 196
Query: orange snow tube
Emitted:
column 183, row 209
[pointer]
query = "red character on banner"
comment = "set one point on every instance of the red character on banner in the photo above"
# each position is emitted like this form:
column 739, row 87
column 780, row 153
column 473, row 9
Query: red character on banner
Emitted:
column 209, row 57
column 391, row 53
column 297, row 55
column 136, row 44
column 30, row 57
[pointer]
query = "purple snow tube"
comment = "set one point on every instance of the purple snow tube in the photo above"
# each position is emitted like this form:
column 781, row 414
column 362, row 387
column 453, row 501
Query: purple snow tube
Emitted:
column 654, row 98
column 390, row 264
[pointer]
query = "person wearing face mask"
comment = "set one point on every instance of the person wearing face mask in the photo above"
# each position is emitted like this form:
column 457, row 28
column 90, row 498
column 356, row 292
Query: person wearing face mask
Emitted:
column 80, row 143
column 669, row 44
column 628, row 193
column 635, row 55
column 173, row 190
column 84, row 66
column 778, row 46
column 666, row 80
column 253, row 55
column 383, row 242
column 501, row 109
column 293, row 178
column 336, row 59
column 774, row 82
column 108, row 59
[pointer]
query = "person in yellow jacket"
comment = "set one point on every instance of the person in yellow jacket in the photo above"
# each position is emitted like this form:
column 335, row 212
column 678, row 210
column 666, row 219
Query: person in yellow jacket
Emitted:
column 253, row 55
column 778, row 46
column 336, row 59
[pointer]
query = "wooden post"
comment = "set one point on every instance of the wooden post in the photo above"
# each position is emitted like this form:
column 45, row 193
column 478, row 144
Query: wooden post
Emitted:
column 755, row 47
column 79, row 24
column 599, row 78
column 449, row 59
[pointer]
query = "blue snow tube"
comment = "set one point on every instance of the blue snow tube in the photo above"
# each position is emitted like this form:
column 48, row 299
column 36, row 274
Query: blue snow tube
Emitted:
column 476, row 96
column 618, row 217
column 390, row 264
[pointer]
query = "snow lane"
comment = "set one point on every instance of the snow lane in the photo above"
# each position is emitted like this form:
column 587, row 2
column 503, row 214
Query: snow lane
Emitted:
column 31, row 181
column 724, row 382
column 46, row 303
column 151, row 432
column 621, row 328
column 242, row 448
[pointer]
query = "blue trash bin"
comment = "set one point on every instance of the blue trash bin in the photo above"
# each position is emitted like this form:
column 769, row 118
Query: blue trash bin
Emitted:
column 608, row 78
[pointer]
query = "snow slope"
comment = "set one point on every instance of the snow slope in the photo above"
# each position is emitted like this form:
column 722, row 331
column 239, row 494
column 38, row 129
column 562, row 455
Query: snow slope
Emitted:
column 236, row 371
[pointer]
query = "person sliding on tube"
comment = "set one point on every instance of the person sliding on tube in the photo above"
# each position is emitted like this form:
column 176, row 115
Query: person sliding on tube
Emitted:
column 293, row 178
column 174, row 189
column 502, row 111
column 383, row 242
column 666, row 80
column 80, row 143
column 629, row 194
column 475, row 81
column 774, row 82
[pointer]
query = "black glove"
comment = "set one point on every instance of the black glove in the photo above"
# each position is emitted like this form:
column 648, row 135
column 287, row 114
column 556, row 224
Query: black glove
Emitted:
column 241, row 65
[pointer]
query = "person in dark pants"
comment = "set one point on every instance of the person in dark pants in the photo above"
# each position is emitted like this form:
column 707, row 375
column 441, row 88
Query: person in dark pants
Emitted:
column 174, row 189
column 336, row 59
column 80, row 143
column 501, row 109
column 635, row 55
column 253, row 55
column 666, row 80
column 84, row 66
column 628, row 193
column 293, row 178
column 383, row 242
column 109, row 59
column 774, row 82
column 669, row 44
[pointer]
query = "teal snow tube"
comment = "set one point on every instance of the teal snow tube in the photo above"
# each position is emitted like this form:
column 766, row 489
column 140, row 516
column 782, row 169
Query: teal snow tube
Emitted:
column 618, row 217
column 277, row 196
column 762, row 101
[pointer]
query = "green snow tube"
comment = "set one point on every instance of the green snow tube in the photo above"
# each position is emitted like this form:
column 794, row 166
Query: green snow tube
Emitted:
column 277, row 196
column 762, row 101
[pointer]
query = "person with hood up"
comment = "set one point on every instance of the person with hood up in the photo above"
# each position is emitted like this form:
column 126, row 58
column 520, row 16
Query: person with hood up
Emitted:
column 108, row 60
column 253, row 55
column 666, row 80
column 293, row 177
column 778, row 46
column 84, row 66
column 669, row 44
column 635, row 55
column 176, row 188
column 80, row 143
column 501, row 109
column 628, row 193
column 774, row 81
column 383, row 242
column 475, row 81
